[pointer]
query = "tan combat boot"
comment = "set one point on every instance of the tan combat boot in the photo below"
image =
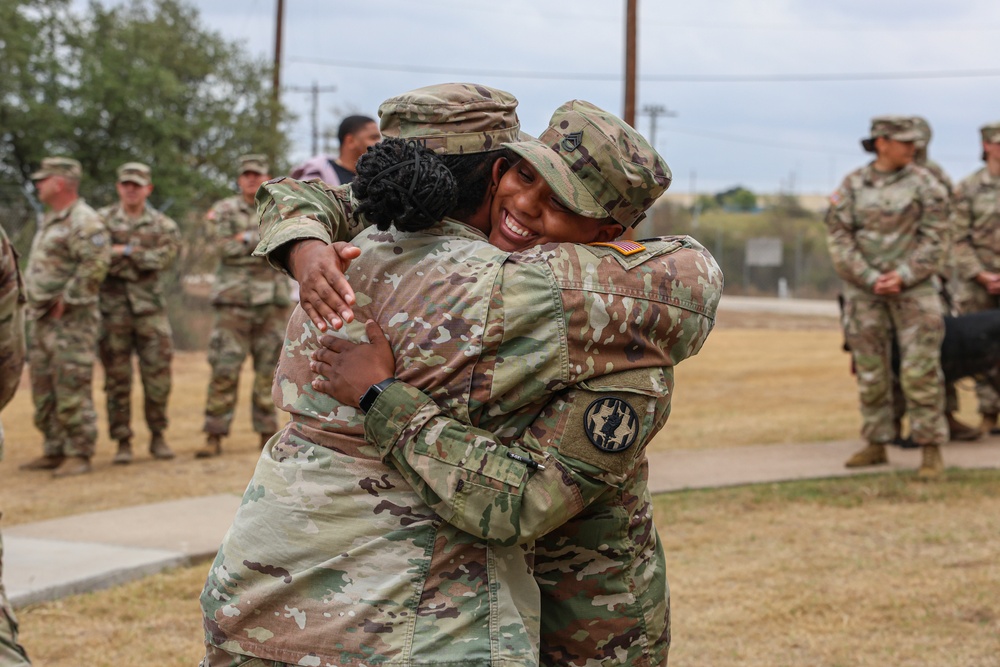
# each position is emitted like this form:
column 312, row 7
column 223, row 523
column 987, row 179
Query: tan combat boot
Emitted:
column 959, row 431
column 158, row 447
column 47, row 462
column 124, row 453
column 932, row 465
column 72, row 466
column 213, row 447
column 872, row 455
column 989, row 423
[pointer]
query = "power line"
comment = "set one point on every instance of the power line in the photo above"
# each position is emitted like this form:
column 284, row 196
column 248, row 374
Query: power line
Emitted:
column 667, row 78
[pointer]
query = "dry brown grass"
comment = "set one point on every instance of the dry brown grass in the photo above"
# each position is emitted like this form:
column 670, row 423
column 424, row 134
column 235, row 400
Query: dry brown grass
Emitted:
column 879, row 570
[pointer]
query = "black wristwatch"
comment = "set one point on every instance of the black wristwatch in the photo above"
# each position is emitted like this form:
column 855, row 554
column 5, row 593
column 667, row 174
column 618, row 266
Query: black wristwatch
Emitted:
column 369, row 397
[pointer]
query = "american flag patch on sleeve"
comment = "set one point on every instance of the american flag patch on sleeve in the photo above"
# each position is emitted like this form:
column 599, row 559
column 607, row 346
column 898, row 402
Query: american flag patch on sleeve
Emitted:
column 624, row 246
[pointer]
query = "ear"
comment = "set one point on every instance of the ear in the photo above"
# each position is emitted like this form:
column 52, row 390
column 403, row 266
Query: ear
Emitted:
column 609, row 232
column 500, row 167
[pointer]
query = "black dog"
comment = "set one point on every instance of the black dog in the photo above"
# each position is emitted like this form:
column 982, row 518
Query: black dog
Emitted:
column 971, row 348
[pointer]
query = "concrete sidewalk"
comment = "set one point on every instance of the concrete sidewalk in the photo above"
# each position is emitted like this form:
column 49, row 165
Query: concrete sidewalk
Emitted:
column 86, row 552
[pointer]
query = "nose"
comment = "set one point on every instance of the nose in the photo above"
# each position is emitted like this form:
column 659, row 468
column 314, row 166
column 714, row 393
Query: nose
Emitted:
column 529, row 199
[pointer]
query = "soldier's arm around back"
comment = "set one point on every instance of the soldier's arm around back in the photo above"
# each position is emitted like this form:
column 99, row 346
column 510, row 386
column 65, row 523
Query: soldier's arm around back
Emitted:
column 586, row 442
column 588, row 439
column 292, row 211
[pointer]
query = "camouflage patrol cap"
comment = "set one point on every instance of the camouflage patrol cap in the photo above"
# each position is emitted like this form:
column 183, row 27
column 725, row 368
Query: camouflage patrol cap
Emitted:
column 452, row 118
column 899, row 128
column 990, row 133
column 923, row 128
column 255, row 162
column 597, row 164
column 135, row 172
column 58, row 166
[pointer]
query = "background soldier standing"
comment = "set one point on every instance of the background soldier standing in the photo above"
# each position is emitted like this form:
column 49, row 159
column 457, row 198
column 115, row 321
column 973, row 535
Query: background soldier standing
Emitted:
column 957, row 430
column 69, row 259
column 251, row 301
column 887, row 229
column 11, row 361
column 976, row 221
column 144, row 243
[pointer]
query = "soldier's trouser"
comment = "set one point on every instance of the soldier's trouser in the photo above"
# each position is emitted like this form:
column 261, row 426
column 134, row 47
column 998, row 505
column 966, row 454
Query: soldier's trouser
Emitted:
column 238, row 331
column 150, row 337
column 976, row 299
column 603, row 584
column 61, row 358
column 916, row 318
column 12, row 654
column 216, row 657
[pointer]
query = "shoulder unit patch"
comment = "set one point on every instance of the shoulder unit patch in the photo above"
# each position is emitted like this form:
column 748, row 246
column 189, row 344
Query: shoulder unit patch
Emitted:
column 611, row 424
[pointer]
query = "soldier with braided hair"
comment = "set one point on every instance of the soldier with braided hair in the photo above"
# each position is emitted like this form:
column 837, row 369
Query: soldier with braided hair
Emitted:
column 675, row 318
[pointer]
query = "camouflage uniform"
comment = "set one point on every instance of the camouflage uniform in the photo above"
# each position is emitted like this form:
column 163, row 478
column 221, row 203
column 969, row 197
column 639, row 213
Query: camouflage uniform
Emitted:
column 69, row 258
column 134, row 316
column 976, row 224
column 877, row 223
column 251, row 303
column 674, row 287
column 11, row 361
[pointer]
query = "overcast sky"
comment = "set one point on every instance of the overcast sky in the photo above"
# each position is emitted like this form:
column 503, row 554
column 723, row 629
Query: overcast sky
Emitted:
column 768, row 94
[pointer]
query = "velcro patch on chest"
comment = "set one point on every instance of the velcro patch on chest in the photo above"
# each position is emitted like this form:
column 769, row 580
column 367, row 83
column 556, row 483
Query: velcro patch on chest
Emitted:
column 625, row 246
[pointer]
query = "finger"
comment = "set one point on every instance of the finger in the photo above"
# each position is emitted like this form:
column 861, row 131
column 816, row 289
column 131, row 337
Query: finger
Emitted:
column 336, row 344
column 375, row 335
column 322, row 369
column 323, row 355
column 330, row 290
column 325, row 386
column 314, row 316
column 316, row 299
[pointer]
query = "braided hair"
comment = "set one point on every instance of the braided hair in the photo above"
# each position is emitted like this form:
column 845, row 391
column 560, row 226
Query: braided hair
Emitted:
column 402, row 184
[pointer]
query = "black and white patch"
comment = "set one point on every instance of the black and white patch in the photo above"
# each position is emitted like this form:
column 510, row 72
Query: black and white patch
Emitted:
column 611, row 424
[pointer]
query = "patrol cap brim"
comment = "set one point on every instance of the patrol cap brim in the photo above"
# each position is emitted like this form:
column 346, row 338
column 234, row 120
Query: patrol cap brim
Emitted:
column 133, row 178
column 906, row 135
column 564, row 183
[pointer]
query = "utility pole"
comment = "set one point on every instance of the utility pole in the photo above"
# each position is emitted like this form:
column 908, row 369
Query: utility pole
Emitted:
column 654, row 110
column 276, row 84
column 630, row 49
column 314, row 90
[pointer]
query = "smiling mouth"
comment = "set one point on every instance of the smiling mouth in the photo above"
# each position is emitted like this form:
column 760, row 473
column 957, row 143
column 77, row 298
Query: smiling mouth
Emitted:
column 514, row 228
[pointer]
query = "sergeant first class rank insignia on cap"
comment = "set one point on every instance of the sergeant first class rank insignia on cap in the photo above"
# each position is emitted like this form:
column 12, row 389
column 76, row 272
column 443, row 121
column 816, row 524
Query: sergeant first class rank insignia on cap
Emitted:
column 624, row 246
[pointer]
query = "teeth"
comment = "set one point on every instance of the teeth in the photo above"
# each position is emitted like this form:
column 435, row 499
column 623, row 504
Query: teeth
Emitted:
column 510, row 224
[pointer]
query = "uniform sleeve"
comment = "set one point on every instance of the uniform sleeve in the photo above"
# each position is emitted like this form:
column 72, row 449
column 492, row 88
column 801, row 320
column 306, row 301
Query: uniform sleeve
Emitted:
column 90, row 246
column 932, row 236
column 221, row 233
column 587, row 440
column 848, row 261
column 158, row 251
column 292, row 211
column 11, row 323
column 967, row 262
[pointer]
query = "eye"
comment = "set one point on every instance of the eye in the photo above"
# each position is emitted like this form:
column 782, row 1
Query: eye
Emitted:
column 525, row 175
column 559, row 206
